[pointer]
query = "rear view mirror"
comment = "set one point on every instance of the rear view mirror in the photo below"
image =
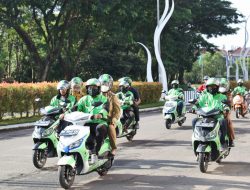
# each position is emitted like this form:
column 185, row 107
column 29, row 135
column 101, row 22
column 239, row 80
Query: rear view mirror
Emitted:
column 192, row 101
column 164, row 92
column 38, row 100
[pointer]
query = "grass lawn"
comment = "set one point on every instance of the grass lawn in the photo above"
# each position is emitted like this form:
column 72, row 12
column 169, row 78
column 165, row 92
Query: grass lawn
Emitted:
column 19, row 120
column 35, row 118
column 157, row 104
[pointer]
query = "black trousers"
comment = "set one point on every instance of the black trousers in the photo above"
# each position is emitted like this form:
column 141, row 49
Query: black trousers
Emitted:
column 136, row 112
column 98, row 133
column 179, row 107
column 127, row 118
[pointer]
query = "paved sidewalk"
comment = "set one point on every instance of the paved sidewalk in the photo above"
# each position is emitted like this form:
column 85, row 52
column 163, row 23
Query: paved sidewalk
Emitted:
column 29, row 125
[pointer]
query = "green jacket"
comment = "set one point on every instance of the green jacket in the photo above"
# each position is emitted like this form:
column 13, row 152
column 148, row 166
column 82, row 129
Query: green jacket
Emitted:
column 127, row 98
column 213, row 101
column 85, row 103
column 239, row 90
column 176, row 92
column 56, row 102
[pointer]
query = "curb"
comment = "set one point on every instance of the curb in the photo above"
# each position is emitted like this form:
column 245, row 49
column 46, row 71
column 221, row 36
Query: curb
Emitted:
column 14, row 127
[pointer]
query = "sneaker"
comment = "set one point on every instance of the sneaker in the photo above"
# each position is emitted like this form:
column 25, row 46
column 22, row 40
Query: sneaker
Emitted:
column 137, row 125
column 94, row 159
column 231, row 144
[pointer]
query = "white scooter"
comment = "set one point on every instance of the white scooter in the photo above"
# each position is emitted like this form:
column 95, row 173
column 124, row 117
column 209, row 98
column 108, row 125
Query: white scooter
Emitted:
column 170, row 113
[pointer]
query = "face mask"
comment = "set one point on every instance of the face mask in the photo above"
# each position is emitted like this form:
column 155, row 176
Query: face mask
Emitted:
column 212, row 91
column 93, row 92
column 104, row 88
column 174, row 86
column 240, row 84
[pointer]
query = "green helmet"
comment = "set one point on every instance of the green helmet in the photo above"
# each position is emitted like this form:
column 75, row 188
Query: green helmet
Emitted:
column 127, row 79
column 212, row 81
column 76, row 81
column 106, row 82
column 93, row 82
column 93, row 91
column 124, row 83
column 224, row 85
column 63, row 85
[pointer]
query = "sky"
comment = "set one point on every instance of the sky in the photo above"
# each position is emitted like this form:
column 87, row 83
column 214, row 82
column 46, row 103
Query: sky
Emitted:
column 237, row 40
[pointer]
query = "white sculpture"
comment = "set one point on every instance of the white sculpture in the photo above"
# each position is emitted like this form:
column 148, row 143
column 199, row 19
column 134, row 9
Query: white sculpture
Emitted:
column 149, row 63
column 162, row 22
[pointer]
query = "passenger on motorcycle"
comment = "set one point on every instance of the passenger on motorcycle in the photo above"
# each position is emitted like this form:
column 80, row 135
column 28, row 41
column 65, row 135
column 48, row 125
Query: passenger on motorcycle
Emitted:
column 63, row 95
column 176, row 91
column 213, row 99
column 98, row 130
column 224, row 89
column 76, row 87
column 114, row 108
column 137, row 99
column 127, row 98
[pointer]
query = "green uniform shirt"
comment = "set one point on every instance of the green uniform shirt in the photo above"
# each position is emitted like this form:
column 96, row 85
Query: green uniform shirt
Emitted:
column 56, row 102
column 176, row 92
column 239, row 90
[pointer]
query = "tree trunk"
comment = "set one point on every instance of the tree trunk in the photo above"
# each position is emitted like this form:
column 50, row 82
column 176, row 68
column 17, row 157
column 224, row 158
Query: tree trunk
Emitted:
column 181, row 76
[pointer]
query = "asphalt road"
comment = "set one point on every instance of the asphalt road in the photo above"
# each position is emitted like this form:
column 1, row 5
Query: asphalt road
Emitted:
column 157, row 158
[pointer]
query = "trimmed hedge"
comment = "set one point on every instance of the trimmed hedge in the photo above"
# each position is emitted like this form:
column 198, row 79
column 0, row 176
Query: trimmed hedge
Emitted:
column 19, row 97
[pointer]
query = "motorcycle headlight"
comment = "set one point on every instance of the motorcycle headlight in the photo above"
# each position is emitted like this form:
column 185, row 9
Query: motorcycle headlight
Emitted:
column 47, row 132
column 211, row 135
column 76, row 144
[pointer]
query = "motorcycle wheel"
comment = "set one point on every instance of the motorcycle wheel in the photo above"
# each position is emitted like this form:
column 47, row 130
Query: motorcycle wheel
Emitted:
column 203, row 163
column 131, row 135
column 168, row 124
column 219, row 160
column 66, row 176
column 39, row 158
column 237, row 112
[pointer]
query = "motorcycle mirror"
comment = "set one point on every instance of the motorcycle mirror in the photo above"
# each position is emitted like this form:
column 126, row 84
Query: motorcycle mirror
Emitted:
column 164, row 92
column 192, row 101
column 38, row 100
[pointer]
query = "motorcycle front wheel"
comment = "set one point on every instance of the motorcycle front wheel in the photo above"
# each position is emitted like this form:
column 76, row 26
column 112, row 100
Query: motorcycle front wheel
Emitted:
column 168, row 124
column 203, row 162
column 237, row 112
column 66, row 176
column 39, row 158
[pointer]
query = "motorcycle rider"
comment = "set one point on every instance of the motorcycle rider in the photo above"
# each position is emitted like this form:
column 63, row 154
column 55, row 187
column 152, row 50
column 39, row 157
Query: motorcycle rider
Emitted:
column 63, row 95
column 76, row 87
column 137, row 100
column 176, row 91
column 224, row 89
column 202, row 87
column 114, row 109
column 97, row 131
column 214, row 99
column 125, row 95
column 240, row 89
